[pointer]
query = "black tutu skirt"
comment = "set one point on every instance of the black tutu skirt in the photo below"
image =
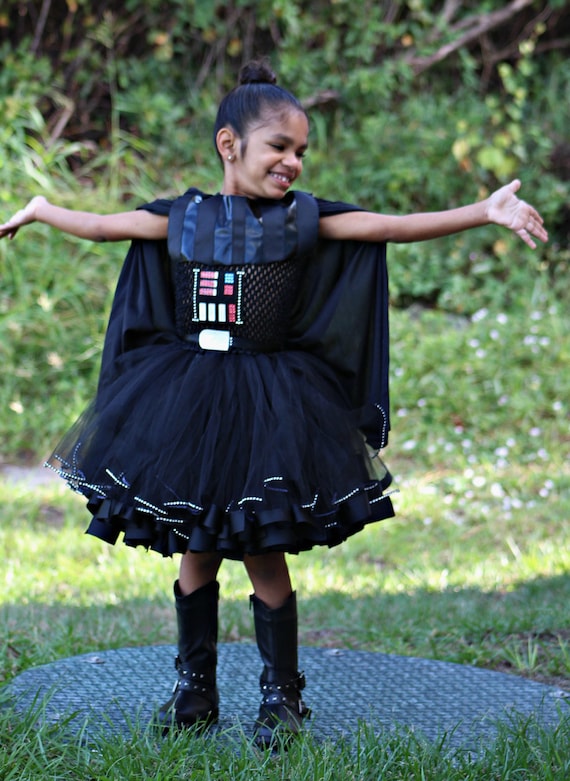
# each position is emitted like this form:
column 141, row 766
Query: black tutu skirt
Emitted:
column 231, row 452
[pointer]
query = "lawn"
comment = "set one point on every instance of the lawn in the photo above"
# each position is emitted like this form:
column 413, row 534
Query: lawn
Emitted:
column 473, row 570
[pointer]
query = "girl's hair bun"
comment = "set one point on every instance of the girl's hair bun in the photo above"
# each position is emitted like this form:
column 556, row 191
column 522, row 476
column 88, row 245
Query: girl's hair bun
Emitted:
column 257, row 72
column 256, row 98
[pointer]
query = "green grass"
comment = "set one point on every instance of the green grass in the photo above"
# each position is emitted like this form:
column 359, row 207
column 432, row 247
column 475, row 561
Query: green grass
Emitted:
column 474, row 569
column 523, row 751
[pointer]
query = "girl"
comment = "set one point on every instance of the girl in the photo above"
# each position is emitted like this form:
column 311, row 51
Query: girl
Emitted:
column 243, row 392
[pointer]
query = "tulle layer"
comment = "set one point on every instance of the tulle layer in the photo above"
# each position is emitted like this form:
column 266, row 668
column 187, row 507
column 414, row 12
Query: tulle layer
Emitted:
column 228, row 452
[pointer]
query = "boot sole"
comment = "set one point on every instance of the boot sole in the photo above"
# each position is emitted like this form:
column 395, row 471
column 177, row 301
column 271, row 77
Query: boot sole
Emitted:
column 198, row 724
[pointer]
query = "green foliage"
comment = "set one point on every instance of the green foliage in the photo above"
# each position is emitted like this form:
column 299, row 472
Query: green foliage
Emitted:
column 429, row 154
column 191, row 47
column 385, row 134
column 52, row 303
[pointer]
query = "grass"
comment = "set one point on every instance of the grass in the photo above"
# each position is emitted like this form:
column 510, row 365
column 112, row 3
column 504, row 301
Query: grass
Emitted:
column 473, row 570
column 522, row 752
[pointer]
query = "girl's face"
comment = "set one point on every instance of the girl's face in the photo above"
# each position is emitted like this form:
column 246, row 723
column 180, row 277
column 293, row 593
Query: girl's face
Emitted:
column 266, row 163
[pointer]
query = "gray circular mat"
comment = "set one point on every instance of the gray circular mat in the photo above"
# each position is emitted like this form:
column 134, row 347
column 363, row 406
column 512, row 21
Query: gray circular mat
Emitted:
column 118, row 691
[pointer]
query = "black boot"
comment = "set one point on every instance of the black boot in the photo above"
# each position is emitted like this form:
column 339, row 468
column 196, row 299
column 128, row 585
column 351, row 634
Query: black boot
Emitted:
column 195, row 696
column 282, row 710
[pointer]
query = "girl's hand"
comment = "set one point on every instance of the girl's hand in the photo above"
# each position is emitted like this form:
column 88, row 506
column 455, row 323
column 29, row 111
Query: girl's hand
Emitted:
column 23, row 217
column 504, row 208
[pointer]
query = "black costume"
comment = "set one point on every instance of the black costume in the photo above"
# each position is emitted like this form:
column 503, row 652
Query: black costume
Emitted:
column 244, row 385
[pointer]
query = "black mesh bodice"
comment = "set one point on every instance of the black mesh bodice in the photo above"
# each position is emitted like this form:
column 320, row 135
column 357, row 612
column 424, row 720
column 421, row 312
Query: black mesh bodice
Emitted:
column 251, row 301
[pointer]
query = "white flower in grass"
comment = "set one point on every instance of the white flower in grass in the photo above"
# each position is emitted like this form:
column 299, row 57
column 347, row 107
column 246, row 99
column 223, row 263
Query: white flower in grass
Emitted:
column 535, row 431
column 45, row 303
column 55, row 360
column 410, row 444
column 479, row 481
column 481, row 314
column 17, row 407
column 502, row 318
column 497, row 490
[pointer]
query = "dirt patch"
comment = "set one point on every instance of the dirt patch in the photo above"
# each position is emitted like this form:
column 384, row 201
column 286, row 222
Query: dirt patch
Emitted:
column 32, row 476
column 558, row 681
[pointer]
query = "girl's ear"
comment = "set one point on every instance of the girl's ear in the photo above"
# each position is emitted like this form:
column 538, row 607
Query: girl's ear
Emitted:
column 226, row 142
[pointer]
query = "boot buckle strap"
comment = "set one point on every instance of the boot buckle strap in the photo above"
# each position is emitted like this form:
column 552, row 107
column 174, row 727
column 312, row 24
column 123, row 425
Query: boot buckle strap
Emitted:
column 284, row 690
column 194, row 686
column 191, row 680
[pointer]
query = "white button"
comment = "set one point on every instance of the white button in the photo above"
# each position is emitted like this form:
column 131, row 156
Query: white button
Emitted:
column 212, row 339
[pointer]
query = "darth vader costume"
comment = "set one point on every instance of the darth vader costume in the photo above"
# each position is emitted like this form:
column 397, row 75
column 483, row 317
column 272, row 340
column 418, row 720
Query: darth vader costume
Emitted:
column 243, row 394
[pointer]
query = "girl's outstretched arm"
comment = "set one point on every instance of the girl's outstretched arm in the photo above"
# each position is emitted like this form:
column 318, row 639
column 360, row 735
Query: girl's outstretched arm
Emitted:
column 88, row 225
column 501, row 208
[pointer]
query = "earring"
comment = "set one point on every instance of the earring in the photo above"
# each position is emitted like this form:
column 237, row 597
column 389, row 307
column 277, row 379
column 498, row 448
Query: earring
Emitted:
column 230, row 158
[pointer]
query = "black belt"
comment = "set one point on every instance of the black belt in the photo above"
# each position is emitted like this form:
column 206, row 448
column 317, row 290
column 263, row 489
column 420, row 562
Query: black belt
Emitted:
column 223, row 341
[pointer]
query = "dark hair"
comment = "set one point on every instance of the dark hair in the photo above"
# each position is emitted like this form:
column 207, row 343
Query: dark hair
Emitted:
column 255, row 96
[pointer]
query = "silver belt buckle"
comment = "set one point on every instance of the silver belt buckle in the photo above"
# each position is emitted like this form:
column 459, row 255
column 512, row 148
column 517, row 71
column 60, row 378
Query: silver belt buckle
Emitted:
column 212, row 339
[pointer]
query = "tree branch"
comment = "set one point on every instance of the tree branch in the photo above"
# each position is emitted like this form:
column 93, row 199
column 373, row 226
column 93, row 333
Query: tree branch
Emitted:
column 62, row 116
column 39, row 31
column 474, row 27
column 327, row 97
column 449, row 10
